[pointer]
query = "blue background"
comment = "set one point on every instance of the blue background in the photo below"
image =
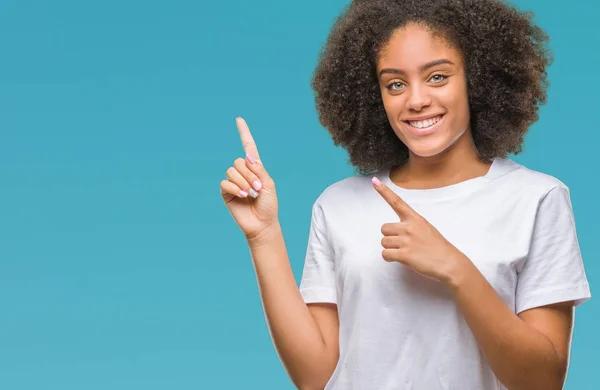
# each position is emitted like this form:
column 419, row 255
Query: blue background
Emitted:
column 120, row 267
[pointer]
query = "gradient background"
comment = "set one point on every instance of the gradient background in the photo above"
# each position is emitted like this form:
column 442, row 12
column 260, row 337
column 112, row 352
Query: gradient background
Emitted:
column 120, row 267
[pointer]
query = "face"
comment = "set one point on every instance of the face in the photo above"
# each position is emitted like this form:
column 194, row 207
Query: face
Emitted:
column 424, row 91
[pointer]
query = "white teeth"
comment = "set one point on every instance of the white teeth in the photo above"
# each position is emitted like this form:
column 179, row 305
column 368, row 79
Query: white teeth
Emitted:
column 425, row 123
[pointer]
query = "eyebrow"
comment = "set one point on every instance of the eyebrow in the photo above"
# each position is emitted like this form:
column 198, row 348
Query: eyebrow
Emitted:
column 423, row 68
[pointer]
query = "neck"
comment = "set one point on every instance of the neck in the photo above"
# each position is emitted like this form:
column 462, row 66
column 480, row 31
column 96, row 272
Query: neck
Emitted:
column 457, row 163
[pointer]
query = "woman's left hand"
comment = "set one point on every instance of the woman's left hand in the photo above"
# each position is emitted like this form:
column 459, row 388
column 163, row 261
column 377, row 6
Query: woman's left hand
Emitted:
column 417, row 244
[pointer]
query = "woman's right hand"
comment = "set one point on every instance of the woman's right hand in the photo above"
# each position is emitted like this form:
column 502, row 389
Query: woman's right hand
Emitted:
column 254, row 215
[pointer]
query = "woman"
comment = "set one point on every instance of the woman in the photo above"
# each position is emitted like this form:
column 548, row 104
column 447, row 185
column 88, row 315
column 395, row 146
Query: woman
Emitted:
column 443, row 264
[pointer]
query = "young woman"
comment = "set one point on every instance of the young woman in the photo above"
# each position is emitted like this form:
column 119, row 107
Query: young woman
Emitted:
column 443, row 264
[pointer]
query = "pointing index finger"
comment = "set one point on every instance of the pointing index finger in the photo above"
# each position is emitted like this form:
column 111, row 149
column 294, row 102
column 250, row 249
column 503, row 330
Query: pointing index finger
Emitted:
column 246, row 137
column 396, row 202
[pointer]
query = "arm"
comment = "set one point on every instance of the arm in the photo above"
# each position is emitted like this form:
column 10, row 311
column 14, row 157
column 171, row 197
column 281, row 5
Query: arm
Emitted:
column 305, row 336
column 526, row 352
column 529, row 351
column 305, row 339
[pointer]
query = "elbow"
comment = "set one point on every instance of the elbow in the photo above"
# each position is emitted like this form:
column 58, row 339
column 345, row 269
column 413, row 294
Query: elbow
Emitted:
column 317, row 371
column 539, row 385
column 548, row 380
column 309, row 387
column 313, row 384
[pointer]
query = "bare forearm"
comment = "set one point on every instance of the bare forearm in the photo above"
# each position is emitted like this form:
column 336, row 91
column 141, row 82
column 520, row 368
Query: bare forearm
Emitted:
column 295, row 333
column 520, row 356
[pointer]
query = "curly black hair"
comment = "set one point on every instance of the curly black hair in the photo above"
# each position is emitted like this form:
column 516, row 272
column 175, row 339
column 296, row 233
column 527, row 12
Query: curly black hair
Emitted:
column 505, row 56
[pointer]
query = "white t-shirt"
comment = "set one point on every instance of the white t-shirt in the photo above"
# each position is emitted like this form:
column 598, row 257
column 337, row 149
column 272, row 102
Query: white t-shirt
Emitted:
column 400, row 330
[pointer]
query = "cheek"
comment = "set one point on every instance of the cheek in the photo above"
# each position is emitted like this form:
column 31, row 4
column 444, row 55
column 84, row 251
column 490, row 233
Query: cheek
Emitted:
column 393, row 108
column 389, row 103
column 452, row 97
column 457, row 105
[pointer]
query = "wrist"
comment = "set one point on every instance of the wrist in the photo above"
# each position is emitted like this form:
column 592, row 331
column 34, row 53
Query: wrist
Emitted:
column 459, row 270
column 264, row 236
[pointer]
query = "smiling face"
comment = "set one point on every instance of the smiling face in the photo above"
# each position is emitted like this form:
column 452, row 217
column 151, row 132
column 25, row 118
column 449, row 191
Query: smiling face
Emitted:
column 424, row 91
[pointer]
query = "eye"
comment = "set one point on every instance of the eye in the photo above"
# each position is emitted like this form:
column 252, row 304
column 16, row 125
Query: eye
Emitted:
column 441, row 78
column 391, row 86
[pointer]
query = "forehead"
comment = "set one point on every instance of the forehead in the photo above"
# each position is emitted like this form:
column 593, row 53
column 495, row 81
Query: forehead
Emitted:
column 413, row 45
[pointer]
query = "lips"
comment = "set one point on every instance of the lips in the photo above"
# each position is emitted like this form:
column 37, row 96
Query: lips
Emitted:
column 424, row 122
column 419, row 132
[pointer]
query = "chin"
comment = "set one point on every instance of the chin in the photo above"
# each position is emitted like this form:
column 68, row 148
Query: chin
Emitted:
column 432, row 146
column 422, row 152
column 428, row 148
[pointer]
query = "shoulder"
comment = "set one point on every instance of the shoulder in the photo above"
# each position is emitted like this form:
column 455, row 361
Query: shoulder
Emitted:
column 521, row 179
column 346, row 193
column 352, row 185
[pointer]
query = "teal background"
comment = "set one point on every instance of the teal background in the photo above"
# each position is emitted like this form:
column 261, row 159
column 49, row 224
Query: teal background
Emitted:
column 120, row 267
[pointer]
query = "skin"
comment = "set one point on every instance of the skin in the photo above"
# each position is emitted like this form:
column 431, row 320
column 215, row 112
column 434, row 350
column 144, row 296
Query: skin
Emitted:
column 447, row 156
column 305, row 336
column 528, row 351
column 525, row 351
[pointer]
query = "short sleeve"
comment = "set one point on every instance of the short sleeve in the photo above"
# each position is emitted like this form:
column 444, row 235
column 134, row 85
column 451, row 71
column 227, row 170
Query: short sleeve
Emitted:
column 318, row 276
column 553, row 271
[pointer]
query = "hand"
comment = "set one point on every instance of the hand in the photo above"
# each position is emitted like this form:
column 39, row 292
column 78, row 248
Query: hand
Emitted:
column 415, row 243
column 253, row 207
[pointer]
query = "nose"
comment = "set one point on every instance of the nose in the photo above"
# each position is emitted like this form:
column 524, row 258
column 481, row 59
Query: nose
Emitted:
column 418, row 98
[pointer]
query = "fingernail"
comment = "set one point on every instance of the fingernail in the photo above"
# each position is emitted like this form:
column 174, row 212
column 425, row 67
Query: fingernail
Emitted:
column 243, row 194
column 250, row 158
column 257, row 185
column 376, row 181
column 253, row 193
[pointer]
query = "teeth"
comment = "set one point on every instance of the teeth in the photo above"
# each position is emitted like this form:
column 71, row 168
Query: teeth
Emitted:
column 425, row 123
